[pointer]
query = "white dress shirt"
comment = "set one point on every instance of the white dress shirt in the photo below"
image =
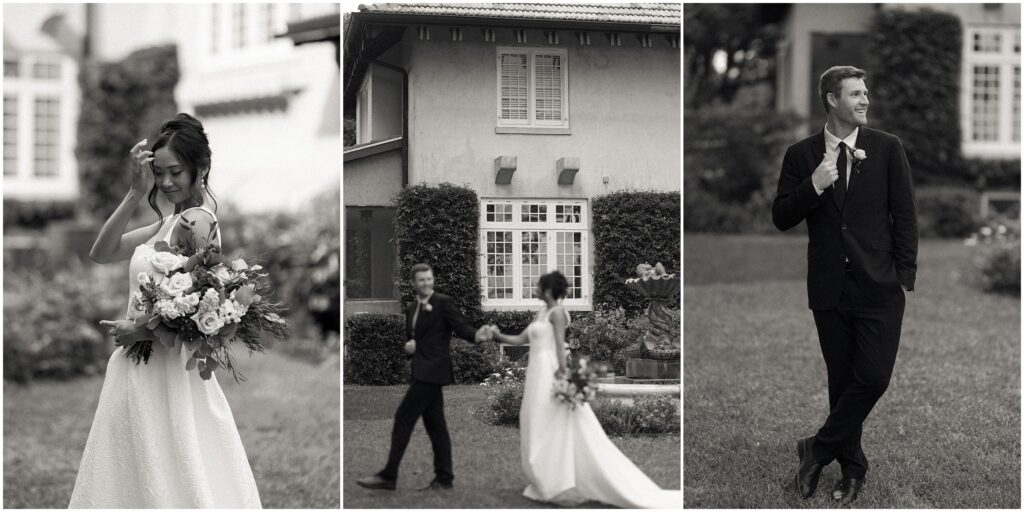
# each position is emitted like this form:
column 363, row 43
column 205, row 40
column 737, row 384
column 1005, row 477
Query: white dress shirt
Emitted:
column 832, row 151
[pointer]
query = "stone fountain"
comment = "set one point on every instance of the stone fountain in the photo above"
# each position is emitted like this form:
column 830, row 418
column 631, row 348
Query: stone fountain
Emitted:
column 657, row 356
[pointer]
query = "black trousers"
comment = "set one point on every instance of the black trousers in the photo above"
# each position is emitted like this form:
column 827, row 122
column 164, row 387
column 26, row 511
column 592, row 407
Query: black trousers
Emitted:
column 859, row 340
column 427, row 400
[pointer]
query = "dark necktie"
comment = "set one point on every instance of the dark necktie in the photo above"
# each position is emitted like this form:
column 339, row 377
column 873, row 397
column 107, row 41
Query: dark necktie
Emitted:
column 841, row 165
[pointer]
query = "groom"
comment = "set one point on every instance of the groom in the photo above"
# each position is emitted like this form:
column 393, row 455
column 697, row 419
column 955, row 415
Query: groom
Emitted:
column 852, row 185
column 429, row 323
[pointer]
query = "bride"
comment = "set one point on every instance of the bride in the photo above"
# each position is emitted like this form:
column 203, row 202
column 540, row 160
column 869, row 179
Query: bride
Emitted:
column 162, row 437
column 566, row 455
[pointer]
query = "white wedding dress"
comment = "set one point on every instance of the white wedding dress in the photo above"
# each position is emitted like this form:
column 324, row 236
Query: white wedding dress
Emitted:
column 566, row 455
column 162, row 437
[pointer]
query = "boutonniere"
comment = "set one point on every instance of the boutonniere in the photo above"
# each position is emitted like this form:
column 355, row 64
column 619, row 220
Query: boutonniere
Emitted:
column 427, row 307
column 858, row 155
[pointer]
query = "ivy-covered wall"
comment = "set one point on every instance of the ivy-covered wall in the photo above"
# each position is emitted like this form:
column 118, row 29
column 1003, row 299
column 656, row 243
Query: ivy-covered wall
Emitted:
column 439, row 225
column 122, row 103
column 914, row 78
column 630, row 228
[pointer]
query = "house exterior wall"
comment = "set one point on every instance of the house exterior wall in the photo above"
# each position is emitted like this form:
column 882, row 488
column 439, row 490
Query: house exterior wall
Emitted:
column 374, row 180
column 803, row 21
column 623, row 111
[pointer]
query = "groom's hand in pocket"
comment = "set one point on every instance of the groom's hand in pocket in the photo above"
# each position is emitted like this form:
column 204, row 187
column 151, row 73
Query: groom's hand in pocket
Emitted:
column 410, row 347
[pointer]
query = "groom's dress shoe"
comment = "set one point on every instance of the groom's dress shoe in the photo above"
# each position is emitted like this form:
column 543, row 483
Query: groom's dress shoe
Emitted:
column 809, row 471
column 847, row 489
column 376, row 482
column 436, row 485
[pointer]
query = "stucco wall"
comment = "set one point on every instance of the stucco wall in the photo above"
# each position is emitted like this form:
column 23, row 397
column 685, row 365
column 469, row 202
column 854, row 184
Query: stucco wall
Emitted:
column 374, row 180
column 623, row 110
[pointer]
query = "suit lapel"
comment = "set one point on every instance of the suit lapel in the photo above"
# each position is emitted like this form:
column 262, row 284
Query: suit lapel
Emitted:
column 862, row 142
column 409, row 327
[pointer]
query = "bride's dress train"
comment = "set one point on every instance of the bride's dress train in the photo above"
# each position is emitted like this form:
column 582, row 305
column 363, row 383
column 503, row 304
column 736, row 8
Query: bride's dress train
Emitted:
column 566, row 455
column 162, row 437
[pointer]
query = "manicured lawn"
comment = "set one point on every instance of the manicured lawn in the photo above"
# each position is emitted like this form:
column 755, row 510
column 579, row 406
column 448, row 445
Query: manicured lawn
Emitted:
column 945, row 435
column 486, row 458
column 287, row 414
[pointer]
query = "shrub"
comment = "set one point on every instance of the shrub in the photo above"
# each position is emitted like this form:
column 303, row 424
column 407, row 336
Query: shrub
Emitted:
column 36, row 214
column 506, row 372
column 448, row 217
column 914, row 76
column 603, row 337
column 122, row 102
column 946, row 212
column 51, row 320
column 502, row 405
column 988, row 173
column 647, row 415
column 1000, row 269
column 472, row 363
column 632, row 228
column 373, row 349
column 374, row 353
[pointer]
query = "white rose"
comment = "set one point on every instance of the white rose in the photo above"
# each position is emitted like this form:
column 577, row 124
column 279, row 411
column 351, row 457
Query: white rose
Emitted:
column 860, row 154
column 208, row 322
column 176, row 284
column 167, row 309
column 239, row 264
column 166, row 261
column 191, row 300
column 221, row 272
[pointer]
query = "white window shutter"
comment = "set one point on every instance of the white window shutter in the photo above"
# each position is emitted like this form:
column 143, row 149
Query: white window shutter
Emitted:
column 514, row 87
column 548, row 87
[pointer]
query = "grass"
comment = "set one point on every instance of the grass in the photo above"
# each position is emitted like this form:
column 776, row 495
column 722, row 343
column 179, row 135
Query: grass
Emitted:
column 287, row 414
column 485, row 458
column 945, row 435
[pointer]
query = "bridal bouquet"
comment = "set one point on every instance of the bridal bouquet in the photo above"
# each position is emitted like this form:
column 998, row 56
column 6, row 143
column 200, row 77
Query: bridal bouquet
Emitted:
column 204, row 302
column 577, row 383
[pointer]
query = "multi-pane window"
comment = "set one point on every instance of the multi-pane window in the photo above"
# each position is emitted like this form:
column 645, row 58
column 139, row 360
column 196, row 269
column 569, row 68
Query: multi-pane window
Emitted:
column 46, row 68
column 47, row 136
column 532, row 87
column 523, row 239
column 10, row 135
column 991, row 91
column 985, row 103
column 269, row 27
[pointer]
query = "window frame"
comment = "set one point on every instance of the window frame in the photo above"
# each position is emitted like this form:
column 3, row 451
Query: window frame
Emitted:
column 531, row 124
column 551, row 227
column 1005, row 57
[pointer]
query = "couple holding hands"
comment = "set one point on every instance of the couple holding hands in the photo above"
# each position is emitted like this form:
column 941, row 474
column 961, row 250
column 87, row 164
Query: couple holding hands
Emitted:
column 566, row 457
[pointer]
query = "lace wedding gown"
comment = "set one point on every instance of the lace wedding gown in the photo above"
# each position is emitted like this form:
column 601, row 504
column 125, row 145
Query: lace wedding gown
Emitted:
column 566, row 455
column 162, row 437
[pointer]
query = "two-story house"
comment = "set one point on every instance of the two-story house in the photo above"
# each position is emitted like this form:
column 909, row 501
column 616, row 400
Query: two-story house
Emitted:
column 537, row 107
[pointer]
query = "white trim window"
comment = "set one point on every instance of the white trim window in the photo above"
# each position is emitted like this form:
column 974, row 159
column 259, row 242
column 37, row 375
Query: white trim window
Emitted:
column 47, row 136
column 533, row 87
column 10, row 135
column 522, row 239
column 991, row 91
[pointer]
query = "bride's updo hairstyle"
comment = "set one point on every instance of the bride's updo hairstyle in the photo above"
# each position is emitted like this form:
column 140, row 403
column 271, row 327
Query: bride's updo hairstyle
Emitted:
column 185, row 138
column 554, row 282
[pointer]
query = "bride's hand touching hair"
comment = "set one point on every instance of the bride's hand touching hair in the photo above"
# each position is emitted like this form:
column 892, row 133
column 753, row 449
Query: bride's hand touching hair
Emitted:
column 140, row 169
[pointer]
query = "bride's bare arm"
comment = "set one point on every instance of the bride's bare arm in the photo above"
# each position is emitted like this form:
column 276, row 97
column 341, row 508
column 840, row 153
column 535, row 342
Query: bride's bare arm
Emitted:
column 113, row 244
column 559, row 321
column 512, row 339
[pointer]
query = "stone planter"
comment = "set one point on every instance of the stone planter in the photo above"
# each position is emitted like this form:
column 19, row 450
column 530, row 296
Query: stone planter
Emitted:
column 657, row 355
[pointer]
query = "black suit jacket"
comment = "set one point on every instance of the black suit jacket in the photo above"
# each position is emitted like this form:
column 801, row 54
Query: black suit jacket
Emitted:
column 876, row 228
column 432, row 361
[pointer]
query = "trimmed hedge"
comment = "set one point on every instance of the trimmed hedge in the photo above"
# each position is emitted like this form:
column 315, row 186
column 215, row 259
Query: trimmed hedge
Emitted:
column 631, row 228
column 373, row 349
column 122, row 103
column 987, row 173
column 914, row 74
column 946, row 212
column 36, row 214
column 439, row 226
